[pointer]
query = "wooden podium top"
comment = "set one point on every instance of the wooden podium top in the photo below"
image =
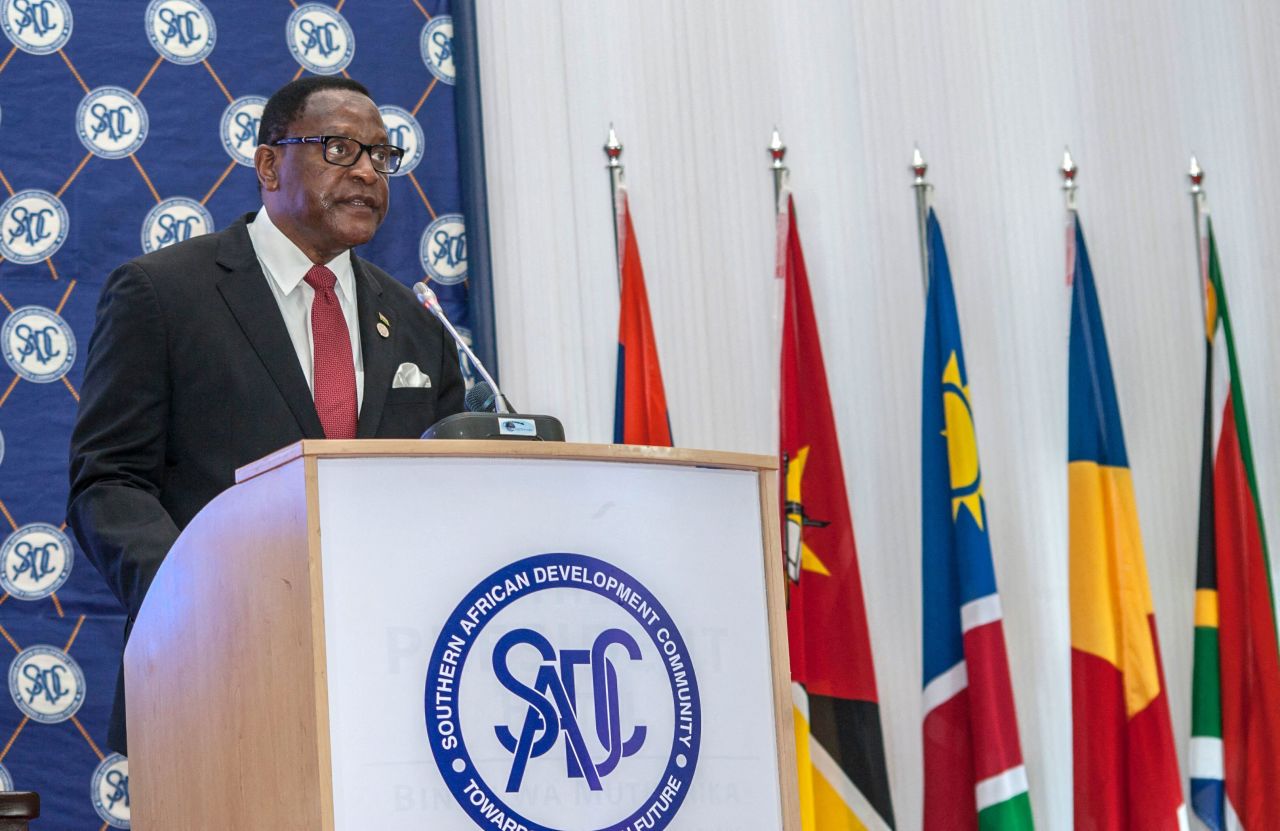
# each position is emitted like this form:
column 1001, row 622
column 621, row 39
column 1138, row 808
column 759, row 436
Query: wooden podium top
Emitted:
column 340, row 448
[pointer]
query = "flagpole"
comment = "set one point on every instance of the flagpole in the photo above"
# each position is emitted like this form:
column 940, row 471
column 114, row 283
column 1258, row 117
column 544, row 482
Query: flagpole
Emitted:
column 613, row 152
column 919, row 167
column 1198, row 213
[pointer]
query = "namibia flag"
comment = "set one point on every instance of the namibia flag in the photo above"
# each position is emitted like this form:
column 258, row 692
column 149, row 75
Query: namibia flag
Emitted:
column 973, row 773
column 1126, row 771
column 844, row 785
column 1235, row 703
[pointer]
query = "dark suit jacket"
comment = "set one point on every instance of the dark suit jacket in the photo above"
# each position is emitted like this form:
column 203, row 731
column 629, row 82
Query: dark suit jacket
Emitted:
column 191, row 374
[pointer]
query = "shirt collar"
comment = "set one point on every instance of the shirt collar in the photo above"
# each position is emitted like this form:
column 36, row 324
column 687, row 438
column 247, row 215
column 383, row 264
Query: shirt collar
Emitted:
column 286, row 265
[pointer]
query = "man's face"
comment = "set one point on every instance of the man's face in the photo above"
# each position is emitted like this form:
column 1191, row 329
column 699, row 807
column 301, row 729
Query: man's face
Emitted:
column 325, row 208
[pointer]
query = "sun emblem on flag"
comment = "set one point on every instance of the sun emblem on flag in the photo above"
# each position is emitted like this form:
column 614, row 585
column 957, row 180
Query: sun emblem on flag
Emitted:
column 800, row 557
column 962, row 444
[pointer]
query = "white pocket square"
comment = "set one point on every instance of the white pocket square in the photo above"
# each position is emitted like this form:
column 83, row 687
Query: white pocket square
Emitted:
column 408, row 375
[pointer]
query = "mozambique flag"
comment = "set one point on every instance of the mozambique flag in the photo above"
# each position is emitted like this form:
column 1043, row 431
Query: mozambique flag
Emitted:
column 1126, row 771
column 1235, row 704
column 840, row 752
column 973, row 773
column 640, row 403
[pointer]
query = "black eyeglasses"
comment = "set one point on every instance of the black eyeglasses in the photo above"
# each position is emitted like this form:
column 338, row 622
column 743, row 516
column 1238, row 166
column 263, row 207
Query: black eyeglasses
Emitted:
column 345, row 151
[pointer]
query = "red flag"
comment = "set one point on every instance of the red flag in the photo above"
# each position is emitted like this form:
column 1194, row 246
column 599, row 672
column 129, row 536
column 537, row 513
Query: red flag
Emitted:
column 840, row 751
column 640, row 403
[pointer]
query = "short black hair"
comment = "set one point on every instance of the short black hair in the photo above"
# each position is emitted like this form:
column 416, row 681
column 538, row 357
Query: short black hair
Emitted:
column 287, row 103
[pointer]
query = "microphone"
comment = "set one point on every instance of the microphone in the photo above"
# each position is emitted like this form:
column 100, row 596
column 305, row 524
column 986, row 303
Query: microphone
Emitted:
column 428, row 298
column 480, row 399
column 482, row 419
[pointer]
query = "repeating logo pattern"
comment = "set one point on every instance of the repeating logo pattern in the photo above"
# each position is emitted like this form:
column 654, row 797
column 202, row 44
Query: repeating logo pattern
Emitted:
column 443, row 249
column 562, row 700
column 110, row 791
column 436, row 44
column 176, row 219
column 182, row 31
column 33, row 226
column 39, row 27
column 239, row 129
column 320, row 39
column 188, row 75
column 35, row 561
column 403, row 130
column 111, row 122
column 46, row 684
column 38, row 344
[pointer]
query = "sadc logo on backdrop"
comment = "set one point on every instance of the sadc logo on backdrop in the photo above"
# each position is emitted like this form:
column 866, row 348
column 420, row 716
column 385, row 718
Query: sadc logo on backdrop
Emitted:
column 182, row 31
column 39, row 27
column 320, row 38
column 35, row 561
column 597, row 710
column 38, row 344
column 46, row 684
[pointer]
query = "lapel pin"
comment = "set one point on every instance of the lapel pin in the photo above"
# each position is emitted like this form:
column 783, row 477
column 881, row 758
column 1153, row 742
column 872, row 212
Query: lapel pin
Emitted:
column 384, row 330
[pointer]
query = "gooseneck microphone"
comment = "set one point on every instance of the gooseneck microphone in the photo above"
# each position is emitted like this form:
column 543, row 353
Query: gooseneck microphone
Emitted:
column 428, row 298
column 489, row 414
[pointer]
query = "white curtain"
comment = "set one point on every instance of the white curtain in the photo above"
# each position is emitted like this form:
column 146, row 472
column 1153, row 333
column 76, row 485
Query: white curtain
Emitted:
column 991, row 90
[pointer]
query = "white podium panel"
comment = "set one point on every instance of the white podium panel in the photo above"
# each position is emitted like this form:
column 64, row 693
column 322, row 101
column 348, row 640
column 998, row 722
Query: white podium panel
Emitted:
column 582, row 646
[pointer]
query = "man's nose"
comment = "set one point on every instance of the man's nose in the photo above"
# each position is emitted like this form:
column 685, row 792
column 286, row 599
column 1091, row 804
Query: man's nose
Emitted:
column 363, row 168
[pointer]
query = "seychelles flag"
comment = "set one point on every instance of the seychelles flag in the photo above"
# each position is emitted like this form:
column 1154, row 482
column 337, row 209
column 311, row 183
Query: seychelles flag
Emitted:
column 844, row 783
column 1235, row 702
column 1126, row 771
column 640, row 403
column 973, row 772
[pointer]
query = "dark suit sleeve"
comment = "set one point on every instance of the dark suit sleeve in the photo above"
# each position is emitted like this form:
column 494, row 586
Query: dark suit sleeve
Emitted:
column 118, row 444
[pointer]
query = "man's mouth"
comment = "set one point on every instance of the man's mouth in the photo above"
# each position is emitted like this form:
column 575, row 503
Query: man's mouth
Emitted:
column 360, row 202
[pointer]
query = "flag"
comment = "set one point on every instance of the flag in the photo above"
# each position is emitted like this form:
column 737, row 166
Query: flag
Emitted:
column 973, row 772
column 1235, row 701
column 844, row 783
column 640, row 403
column 1126, row 771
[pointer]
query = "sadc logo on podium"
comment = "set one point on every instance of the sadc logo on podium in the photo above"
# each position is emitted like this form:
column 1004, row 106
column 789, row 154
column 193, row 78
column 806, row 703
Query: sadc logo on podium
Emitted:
column 594, row 711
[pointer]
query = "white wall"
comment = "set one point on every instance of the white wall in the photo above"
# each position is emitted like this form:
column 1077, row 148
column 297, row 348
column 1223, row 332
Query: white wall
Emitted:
column 991, row 90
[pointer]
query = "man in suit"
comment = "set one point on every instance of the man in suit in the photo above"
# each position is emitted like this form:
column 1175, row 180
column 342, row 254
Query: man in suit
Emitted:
column 214, row 352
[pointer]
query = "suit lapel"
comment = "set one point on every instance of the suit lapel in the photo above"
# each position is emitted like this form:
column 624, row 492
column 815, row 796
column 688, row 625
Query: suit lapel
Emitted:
column 244, row 289
column 375, row 349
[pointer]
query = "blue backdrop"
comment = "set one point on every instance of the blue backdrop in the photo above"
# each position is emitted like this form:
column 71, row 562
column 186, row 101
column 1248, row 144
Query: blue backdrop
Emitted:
column 125, row 126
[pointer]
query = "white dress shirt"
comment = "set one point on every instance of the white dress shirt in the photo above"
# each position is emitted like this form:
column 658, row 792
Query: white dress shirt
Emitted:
column 285, row 265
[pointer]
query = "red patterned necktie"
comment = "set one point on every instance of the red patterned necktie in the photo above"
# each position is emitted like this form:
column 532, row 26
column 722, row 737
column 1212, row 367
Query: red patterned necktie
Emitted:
column 333, row 370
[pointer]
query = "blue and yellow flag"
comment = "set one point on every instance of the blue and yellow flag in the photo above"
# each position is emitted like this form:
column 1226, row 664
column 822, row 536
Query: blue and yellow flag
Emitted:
column 973, row 772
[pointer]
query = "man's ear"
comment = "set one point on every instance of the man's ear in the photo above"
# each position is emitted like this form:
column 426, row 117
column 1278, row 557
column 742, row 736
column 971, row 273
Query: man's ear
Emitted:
column 265, row 161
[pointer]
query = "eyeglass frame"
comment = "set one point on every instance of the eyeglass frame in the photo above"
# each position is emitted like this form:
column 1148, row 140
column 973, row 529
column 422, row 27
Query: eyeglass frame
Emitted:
column 364, row 148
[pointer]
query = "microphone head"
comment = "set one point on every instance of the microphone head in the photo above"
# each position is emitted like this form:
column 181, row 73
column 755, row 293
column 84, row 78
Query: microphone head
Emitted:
column 480, row 399
column 425, row 295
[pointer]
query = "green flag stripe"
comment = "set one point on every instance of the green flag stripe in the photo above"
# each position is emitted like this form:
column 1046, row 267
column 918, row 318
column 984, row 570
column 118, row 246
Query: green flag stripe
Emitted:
column 1206, row 697
column 1013, row 813
column 1237, row 394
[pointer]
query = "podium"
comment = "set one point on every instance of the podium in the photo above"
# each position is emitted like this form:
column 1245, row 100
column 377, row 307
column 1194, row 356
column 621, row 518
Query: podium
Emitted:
column 398, row 634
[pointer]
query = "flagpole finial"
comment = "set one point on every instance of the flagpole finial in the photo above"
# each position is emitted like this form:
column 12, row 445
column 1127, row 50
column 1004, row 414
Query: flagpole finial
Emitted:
column 777, row 156
column 613, row 149
column 777, row 150
column 1196, row 175
column 1069, row 171
column 919, row 167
